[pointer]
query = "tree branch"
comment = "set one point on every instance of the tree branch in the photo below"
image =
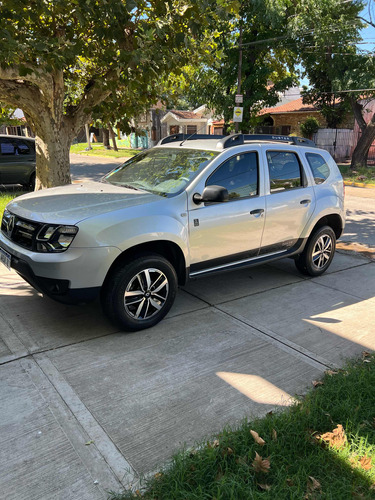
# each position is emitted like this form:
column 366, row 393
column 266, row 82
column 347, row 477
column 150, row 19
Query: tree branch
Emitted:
column 22, row 95
column 93, row 96
column 357, row 110
column 42, row 80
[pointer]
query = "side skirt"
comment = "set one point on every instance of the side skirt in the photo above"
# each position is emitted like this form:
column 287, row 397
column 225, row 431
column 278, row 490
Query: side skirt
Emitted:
column 197, row 271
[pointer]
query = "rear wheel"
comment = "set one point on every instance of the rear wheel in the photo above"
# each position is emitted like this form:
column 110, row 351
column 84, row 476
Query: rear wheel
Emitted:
column 139, row 294
column 318, row 253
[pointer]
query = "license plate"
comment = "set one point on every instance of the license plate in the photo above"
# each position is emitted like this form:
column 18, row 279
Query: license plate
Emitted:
column 5, row 258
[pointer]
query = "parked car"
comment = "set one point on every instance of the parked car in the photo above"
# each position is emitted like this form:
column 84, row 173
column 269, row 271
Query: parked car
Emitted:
column 17, row 160
column 181, row 210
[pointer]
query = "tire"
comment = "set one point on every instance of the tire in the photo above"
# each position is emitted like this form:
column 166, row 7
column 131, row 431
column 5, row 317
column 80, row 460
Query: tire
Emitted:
column 139, row 294
column 318, row 252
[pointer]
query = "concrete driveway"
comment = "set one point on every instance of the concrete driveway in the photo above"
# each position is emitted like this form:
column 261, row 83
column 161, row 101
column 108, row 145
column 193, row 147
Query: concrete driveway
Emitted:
column 86, row 408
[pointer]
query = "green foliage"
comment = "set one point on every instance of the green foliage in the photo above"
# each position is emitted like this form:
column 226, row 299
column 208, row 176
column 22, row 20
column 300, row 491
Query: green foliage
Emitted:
column 325, row 36
column 309, row 127
column 123, row 48
column 6, row 116
column 301, row 464
column 215, row 83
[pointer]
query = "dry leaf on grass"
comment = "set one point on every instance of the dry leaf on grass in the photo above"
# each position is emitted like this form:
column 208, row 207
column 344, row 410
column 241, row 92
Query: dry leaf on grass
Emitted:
column 313, row 484
column 215, row 443
column 317, row 383
column 365, row 462
column 274, row 435
column 331, row 372
column 260, row 464
column 257, row 438
column 365, row 354
column 336, row 438
column 265, row 487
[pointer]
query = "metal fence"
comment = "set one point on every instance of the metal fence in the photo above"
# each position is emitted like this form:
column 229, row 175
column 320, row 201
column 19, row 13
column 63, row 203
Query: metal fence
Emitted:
column 338, row 142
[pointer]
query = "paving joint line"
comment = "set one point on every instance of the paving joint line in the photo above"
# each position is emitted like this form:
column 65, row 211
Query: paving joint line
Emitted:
column 50, row 349
column 284, row 344
column 119, row 466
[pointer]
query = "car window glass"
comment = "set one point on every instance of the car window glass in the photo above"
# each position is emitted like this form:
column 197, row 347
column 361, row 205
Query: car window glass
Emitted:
column 318, row 166
column 7, row 148
column 22, row 147
column 239, row 175
column 284, row 170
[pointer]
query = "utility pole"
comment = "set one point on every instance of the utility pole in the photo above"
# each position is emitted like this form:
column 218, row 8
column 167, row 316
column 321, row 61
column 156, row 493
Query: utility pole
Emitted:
column 239, row 69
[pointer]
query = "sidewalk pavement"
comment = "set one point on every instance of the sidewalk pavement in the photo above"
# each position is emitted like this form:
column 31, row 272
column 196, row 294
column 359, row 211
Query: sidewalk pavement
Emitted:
column 86, row 409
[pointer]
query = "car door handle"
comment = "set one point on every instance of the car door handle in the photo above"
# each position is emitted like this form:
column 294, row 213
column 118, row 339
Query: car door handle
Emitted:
column 257, row 211
column 305, row 202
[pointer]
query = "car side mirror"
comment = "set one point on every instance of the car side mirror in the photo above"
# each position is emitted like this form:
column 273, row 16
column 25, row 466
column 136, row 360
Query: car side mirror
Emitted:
column 211, row 194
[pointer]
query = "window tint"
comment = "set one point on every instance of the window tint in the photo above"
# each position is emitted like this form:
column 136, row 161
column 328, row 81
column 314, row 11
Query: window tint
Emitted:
column 285, row 171
column 7, row 147
column 239, row 175
column 318, row 166
column 23, row 147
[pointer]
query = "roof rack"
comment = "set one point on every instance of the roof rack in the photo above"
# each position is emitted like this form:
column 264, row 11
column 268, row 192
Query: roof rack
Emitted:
column 227, row 141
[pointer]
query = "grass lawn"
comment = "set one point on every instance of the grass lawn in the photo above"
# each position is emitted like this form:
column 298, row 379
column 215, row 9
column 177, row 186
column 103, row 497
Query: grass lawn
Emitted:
column 100, row 150
column 365, row 175
column 6, row 197
column 322, row 447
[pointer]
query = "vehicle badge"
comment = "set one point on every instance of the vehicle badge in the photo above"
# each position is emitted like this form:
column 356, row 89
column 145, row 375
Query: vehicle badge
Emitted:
column 10, row 224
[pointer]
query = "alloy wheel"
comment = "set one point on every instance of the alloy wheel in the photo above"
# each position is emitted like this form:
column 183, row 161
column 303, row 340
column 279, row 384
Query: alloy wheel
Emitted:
column 146, row 294
column 322, row 251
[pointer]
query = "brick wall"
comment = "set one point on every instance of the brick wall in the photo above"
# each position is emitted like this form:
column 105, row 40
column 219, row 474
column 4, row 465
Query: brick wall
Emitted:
column 294, row 120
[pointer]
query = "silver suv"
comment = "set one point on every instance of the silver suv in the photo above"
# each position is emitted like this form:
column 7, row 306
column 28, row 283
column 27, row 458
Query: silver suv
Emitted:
column 184, row 209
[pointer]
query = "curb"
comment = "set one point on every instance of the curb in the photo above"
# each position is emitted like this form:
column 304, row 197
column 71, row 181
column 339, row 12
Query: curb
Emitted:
column 348, row 247
column 359, row 184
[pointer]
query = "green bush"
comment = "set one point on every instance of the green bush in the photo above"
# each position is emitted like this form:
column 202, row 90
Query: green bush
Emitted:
column 309, row 127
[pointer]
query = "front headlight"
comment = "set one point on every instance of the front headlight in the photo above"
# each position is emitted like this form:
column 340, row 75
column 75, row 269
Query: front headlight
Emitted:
column 53, row 238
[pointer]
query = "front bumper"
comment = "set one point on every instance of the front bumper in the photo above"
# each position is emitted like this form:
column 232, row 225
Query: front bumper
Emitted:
column 75, row 275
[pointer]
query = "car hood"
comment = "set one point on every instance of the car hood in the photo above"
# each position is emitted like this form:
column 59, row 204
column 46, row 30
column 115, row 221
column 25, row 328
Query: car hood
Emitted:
column 74, row 203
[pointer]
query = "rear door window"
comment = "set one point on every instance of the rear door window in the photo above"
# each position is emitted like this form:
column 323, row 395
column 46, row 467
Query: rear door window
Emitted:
column 318, row 166
column 285, row 171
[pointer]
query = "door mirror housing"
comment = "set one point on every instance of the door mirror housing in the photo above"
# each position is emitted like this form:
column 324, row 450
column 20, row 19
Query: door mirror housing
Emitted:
column 211, row 194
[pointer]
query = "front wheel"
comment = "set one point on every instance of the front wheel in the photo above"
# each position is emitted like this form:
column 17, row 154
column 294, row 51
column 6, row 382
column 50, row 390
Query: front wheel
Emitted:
column 139, row 294
column 318, row 253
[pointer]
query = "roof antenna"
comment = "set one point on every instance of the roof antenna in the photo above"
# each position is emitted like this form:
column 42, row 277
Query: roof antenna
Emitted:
column 192, row 135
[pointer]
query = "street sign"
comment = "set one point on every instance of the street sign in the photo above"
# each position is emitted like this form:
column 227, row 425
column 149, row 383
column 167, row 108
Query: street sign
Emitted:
column 238, row 99
column 237, row 114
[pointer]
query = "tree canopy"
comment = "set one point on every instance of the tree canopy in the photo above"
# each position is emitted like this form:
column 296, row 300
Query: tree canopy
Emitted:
column 60, row 60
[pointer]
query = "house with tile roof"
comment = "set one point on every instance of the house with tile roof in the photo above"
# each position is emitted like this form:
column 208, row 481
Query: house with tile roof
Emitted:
column 287, row 118
column 188, row 122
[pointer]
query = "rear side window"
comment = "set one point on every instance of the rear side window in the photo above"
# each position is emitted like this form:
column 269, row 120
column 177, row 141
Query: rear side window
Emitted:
column 318, row 166
column 239, row 175
column 284, row 170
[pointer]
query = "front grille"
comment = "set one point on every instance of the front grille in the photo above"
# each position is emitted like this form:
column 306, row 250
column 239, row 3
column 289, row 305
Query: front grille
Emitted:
column 21, row 231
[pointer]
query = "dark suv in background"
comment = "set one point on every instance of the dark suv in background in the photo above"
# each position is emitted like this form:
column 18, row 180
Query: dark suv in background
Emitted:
column 17, row 160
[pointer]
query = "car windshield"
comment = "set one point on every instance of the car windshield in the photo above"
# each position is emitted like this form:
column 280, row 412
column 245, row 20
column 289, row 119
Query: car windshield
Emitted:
column 163, row 171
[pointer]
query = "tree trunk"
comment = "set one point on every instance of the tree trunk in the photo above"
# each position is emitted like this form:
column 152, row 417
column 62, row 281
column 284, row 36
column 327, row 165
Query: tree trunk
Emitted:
column 360, row 153
column 52, row 159
column 113, row 137
column 106, row 138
